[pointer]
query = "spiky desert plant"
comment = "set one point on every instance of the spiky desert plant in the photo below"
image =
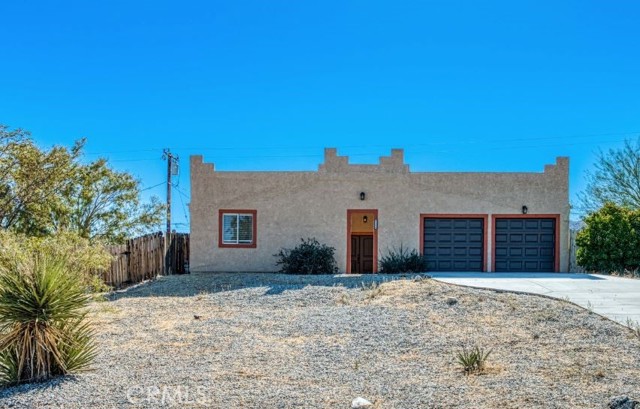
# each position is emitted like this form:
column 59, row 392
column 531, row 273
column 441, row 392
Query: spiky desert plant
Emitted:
column 43, row 327
column 472, row 359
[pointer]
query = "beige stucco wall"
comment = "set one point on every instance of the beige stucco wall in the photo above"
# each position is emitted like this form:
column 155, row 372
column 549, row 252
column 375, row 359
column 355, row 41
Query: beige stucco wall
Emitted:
column 291, row 205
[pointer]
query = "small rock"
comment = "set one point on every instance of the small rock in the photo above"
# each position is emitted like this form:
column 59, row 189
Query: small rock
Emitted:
column 452, row 301
column 197, row 317
column 360, row 403
column 623, row 402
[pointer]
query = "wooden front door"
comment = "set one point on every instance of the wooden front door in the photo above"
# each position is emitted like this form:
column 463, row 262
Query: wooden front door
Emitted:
column 361, row 254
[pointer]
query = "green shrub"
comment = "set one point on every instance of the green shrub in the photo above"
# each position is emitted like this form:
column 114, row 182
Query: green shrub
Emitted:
column 43, row 326
column 610, row 240
column 402, row 260
column 80, row 255
column 309, row 257
column 472, row 359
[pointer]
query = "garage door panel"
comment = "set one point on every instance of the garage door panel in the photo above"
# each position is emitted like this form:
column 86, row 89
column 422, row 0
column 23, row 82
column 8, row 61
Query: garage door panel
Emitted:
column 460, row 237
column 531, row 238
column 515, row 238
column 476, row 223
column 501, row 238
column 460, row 224
column 513, row 252
column 525, row 244
column 460, row 264
column 547, row 238
column 460, row 251
column 547, row 224
column 531, row 252
column 547, row 252
column 444, row 251
column 476, row 251
column 456, row 244
column 517, row 224
column 444, row 237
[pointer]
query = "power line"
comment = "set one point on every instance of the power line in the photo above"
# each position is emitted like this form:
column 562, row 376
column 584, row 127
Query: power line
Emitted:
column 184, row 208
column 448, row 141
column 127, row 151
column 181, row 192
column 151, row 187
column 440, row 149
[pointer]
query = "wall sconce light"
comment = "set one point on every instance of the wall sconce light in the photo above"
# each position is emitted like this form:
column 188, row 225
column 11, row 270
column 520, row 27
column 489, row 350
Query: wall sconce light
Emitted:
column 525, row 210
column 365, row 219
column 362, row 196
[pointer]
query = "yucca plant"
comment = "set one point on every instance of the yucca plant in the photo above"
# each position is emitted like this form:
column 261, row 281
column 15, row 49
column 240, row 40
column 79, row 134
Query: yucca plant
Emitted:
column 472, row 359
column 43, row 327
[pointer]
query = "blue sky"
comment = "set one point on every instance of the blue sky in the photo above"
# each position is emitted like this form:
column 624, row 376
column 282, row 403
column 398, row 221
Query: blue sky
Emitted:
column 265, row 85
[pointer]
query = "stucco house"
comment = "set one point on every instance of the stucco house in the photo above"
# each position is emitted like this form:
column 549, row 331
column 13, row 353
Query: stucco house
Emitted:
column 459, row 221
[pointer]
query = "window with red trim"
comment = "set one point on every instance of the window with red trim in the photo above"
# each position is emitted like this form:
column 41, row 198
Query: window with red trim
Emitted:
column 237, row 228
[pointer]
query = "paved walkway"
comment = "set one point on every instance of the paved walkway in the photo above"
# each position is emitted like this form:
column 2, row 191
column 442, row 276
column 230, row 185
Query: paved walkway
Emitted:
column 614, row 297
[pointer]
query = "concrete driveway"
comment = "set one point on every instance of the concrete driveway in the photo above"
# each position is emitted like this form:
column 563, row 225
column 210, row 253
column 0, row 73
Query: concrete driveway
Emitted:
column 613, row 297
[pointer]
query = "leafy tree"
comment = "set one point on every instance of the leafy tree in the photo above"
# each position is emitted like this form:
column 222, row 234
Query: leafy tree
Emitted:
column 43, row 192
column 610, row 240
column 104, row 204
column 31, row 180
column 616, row 179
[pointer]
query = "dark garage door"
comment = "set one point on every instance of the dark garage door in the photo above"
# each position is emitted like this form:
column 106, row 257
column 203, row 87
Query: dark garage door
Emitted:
column 525, row 244
column 453, row 244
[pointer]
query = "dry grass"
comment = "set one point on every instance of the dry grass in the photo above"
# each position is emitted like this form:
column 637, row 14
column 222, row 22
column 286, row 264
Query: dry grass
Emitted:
column 312, row 343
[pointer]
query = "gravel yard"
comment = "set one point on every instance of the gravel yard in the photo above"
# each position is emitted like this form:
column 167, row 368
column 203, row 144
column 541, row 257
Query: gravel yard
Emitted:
column 275, row 341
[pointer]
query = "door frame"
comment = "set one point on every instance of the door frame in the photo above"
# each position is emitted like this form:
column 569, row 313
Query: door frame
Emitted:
column 485, row 230
column 351, row 212
column 556, row 257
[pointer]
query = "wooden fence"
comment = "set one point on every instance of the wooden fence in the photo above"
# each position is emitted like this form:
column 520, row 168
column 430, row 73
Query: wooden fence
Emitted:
column 145, row 257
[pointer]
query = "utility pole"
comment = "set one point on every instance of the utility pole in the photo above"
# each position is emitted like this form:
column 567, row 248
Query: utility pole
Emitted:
column 172, row 169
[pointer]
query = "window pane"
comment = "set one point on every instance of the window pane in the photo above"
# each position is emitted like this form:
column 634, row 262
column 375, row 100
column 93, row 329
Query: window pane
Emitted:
column 230, row 228
column 246, row 229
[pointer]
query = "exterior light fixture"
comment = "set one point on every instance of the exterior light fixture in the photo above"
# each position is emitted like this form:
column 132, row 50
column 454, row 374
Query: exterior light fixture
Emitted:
column 365, row 219
column 362, row 196
column 525, row 210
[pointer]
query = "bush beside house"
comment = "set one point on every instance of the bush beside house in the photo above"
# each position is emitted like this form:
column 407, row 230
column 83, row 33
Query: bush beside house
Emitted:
column 402, row 260
column 309, row 257
column 610, row 240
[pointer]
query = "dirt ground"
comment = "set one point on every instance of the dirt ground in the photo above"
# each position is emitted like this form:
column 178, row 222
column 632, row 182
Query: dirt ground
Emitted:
column 275, row 341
